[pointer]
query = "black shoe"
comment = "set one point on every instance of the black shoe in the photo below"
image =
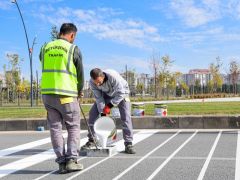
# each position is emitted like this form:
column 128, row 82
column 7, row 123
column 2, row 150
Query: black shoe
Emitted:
column 62, row 168
column 89, row 145
column 73, row 165
column 129, row 149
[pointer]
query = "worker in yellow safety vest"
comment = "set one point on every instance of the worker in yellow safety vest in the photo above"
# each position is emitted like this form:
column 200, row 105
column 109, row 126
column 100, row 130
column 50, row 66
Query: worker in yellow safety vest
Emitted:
column 61, row 86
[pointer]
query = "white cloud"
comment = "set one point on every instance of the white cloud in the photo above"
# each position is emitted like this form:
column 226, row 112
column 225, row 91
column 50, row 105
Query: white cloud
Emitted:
column 232, row 8
column 193, row 15
column 109, row 61
column 104, row 23
column 5, row 5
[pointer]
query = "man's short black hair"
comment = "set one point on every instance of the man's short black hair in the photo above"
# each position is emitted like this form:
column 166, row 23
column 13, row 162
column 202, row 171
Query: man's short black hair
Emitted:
column 95, row 73
column 67, row 28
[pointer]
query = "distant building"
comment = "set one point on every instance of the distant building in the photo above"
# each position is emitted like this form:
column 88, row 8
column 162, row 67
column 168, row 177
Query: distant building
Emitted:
column 203, row 76
column 146, row 80
column 131, row 78
column 2, row 80
column 228, row 79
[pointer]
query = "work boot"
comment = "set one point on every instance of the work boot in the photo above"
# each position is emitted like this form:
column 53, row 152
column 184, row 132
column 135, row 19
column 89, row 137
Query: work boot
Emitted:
column 129, row 149
column 62, row 168
column 89, row 145
column 73, row 165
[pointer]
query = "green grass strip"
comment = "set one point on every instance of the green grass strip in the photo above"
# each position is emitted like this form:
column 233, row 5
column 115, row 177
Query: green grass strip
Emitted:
column 202, row 108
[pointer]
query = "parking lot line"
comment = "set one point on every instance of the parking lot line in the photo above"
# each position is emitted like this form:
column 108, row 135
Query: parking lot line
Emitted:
column 27, row 162
column 170, row 157
column 51, row 172
column 144, row 157
column 138, row 137
column 22, row 147
column 176, row 158
column 237, row 168
column 204, row 168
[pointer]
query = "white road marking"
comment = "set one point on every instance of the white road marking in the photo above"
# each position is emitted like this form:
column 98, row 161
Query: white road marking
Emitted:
column 51, row 172
column 144, row 157
column 29, row 145
column 22, row 147
column 204, row 168
column 138, row 137
column 237, row 168
column 29, row 161
column 170, row 157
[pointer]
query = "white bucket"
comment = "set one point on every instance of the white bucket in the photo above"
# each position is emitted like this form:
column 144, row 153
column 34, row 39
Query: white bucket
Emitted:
column 160, row 110
column 103, row 128
column 138, row 109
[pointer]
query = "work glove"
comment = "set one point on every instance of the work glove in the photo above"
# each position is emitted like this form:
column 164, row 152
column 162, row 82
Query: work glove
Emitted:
column 107, row 108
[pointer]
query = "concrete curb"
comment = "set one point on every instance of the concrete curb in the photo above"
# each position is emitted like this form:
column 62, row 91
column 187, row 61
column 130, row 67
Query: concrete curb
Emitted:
column 144, row 122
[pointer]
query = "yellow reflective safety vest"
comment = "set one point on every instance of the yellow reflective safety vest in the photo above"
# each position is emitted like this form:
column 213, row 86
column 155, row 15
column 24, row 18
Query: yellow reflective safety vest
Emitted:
column 58, row 71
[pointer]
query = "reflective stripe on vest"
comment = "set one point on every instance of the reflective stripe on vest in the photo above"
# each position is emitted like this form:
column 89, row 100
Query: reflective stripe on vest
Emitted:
column 58, row 71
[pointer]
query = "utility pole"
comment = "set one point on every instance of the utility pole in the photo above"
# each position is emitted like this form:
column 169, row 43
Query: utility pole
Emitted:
column 29, row 50
column 37, row 88
column 31, row 57
column 155, row 80
column 126, row 73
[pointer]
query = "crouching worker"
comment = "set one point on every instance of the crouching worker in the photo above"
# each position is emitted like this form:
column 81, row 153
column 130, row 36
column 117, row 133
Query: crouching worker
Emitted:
column 61, row 85
column 109, row 89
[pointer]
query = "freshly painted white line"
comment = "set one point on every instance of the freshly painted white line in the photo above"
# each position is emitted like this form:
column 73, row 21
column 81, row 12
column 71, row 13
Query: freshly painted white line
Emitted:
column 29, row 161
column 22, row 147
column 170, row 157
column 138, row 137
column 29, row 145
column 51, row 172
column 177, row 158
column 237, row 168
column 144, row 157
column 204, row 168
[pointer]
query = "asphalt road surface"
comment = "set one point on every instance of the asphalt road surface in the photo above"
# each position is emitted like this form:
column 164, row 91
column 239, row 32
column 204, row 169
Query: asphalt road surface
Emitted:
column 161, row 154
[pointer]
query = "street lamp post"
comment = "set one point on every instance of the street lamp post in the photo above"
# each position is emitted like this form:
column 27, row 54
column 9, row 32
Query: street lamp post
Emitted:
column 1, row 99
column 29, row 50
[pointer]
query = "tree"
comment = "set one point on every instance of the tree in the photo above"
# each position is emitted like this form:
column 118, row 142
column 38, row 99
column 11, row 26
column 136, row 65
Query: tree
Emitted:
column 130, row 77
column 1, row 99
column 12, row 75
column 155, row 66
column 54, row 33
column 184, row 87
column 210, row 86
column 140, row 88
column 197, row 85
column 234, row 73
column 216, row 76
column 165, row 74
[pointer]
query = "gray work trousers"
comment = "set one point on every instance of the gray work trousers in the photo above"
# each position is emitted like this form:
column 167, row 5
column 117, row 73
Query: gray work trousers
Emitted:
column 57, row 114
column 125, row 116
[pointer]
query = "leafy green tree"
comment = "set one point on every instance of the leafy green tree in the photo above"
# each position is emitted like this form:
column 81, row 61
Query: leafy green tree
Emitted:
column 184, row 87
column 210, row 86
column 165, row 74
column 12, row 75
column 234, row 72
column 216, row 76
column 140, row 88
column 197, row 86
